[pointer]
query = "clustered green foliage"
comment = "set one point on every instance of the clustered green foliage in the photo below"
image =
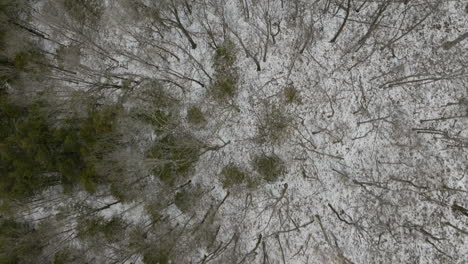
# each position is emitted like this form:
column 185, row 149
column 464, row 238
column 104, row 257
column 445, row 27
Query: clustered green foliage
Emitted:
column 68, row 56
column 154, row 250
column 18, row 54
column 273, row 126
column 26, row 61
column 156, row 256
column 7, row 74
column 173, row 157
column 25, row 138
column 35, row 151
column 184, row 200
column 157, row 108
column 232, row 175
column 159, row 119
column 291, row 95
column 85, row 145
column 270, row 167
column 87, row 12
column 61, row 257
column 110, row 229
column 18, row 243
column 195, row 116
column 153, row 208
column 226, row 77
column 35, row 154
column 9, row 11
column 68, row 256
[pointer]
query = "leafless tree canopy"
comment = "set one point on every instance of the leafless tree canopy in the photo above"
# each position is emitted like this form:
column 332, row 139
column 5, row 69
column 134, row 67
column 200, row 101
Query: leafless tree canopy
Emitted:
column 213, row 131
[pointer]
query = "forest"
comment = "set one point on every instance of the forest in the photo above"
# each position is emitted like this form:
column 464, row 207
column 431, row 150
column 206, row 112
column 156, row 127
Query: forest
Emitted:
column 233, row 132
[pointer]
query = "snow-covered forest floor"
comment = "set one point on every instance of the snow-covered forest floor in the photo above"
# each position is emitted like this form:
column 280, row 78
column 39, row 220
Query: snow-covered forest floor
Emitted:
column 267, row 131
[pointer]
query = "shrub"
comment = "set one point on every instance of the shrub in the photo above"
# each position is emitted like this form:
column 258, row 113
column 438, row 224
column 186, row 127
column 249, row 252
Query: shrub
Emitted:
column 232, row 175
column 156, row 107
column 186, row 198
column 154, row 209
column 29, row 61
column 86, row 143
column 291, row 95
column 225, row 56
column 68, row 56
column 270, row 167
column 159, row 119
column 225, row 81
column 273, row 126
column 224, row 87
column 85, row 12
column 253, row 183
column 19, row 242
column 173, row 157
column 111, row 229
column 195, row 116
column 156, row 256
column 69, row 255
column 62, row 257
column 158, row 96
column 89, row 227
column 183, row 200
